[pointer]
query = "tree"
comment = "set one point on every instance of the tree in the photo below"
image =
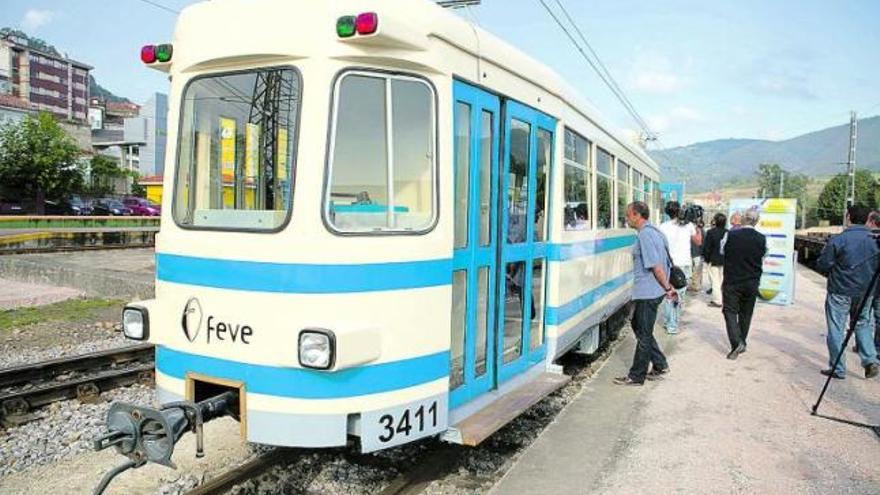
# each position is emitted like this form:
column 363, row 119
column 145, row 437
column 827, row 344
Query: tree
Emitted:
column 771, row 176
column 39, row 159
column 832, row 200
column 103, row 174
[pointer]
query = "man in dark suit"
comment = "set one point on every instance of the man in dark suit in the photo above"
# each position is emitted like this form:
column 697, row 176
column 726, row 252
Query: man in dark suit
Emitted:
column 743, row 250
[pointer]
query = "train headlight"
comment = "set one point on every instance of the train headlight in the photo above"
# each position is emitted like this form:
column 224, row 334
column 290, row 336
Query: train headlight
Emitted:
column 135, row 323
column 317, row 349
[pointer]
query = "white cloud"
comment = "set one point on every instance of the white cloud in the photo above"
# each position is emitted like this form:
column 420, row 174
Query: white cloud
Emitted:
column 33, row 19
column 659, row 82
column 674, row 120
column 687, row 114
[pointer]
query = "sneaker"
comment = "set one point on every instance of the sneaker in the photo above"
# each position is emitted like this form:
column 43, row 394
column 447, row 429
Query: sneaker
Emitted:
column 830, row 373
column 656, row 374
column 736, row 352
column 714, row 304
column 625, row 380
column 872, row 370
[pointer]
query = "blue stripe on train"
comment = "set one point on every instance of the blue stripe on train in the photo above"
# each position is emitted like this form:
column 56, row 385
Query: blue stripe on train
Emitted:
column 564, row 252
column 329, row 279
column 304, row 383
column 302, row 278
column 558, row 315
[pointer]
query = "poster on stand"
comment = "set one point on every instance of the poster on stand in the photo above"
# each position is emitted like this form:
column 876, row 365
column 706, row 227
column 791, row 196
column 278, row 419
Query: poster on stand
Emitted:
column 777, row 223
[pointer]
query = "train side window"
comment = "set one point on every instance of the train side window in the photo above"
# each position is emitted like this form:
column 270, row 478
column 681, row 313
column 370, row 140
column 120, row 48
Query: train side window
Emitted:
column 637, row 186
column 622, row 192
column 604, row 189
column 369, row 188
column 236, row 150
column 578, row 182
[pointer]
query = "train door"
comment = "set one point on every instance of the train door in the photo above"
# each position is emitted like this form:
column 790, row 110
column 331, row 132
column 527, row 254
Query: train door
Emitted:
column 476, row 115
column 524, row 217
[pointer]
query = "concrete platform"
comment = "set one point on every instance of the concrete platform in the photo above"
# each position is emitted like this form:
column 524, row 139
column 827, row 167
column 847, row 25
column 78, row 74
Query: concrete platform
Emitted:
column 118, row 273
column 714, row 425
column 22, row 294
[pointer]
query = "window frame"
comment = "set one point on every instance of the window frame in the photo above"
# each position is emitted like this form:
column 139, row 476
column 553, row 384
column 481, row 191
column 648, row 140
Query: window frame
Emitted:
column 331, row 142
column 588, row 170
column 293, row 154
column 612, row 193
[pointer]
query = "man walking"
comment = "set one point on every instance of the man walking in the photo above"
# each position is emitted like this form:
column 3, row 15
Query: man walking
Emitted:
column 713, row 258
column 849, row 260
column 743, row 250
column 650, row 285
column 679, row 236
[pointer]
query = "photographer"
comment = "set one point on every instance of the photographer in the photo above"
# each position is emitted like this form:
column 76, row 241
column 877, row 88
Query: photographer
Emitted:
column 680, row 232
column 848, row 260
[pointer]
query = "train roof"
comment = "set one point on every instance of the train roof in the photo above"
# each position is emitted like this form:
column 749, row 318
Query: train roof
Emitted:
column 415, row 25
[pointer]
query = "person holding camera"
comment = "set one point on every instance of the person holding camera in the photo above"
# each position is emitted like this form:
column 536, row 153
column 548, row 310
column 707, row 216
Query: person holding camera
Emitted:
column 849, row 260
column 680, row 232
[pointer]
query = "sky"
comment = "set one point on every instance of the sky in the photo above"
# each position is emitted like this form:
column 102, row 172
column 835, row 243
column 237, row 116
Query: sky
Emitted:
column 694, row 70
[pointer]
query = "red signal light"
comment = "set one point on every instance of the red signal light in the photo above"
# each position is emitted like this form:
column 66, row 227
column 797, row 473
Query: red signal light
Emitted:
column 148, row 54
column 367, row 23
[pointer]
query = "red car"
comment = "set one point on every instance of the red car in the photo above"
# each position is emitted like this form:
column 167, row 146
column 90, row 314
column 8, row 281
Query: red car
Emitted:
column 142, row 207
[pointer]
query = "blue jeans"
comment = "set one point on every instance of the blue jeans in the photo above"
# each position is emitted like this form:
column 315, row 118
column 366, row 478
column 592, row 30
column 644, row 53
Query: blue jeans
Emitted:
column 671, row 314
column 877, row 322
column 837, row 313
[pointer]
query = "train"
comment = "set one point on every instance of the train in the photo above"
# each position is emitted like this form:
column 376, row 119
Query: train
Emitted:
column 381, row 223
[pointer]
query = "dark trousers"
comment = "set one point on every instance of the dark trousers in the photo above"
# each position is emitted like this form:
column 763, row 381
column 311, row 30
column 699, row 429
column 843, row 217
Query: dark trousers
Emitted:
column 738, row 303
column 647, row 350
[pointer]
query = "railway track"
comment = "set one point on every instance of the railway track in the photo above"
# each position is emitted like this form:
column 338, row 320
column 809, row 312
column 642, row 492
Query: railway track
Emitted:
column 23, row 389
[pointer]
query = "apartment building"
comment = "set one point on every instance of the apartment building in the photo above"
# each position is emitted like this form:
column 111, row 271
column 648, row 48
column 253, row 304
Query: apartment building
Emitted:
column 47, row 80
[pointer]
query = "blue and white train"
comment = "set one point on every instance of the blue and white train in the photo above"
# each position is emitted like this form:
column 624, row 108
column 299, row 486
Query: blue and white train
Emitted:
column 381, row 222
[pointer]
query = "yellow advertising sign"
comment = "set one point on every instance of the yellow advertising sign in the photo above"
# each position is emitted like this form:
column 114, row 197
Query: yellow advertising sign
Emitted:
column 227, row 148
column 251, row 149
column 281, row 155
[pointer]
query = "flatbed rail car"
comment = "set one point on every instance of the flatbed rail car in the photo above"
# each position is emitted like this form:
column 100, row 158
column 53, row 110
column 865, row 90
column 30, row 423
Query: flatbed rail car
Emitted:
column 385, row 222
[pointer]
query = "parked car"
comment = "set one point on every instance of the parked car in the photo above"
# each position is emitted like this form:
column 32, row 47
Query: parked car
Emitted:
column 109, row 206
column 12, row 208
column 59, row 207
column 142, row 207
column 81, row 206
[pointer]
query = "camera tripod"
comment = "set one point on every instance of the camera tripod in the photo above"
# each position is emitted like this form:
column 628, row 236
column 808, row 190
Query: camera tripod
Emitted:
column 853, row 319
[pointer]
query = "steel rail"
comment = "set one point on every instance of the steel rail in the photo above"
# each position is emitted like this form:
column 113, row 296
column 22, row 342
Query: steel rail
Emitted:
column 49, row 370
column 250, row 469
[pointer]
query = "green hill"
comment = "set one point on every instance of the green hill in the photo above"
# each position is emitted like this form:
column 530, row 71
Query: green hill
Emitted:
column 712, row 164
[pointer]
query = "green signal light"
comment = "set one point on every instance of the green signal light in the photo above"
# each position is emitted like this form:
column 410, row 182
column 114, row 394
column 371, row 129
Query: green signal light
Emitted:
column 345, row 26
column 163, row 53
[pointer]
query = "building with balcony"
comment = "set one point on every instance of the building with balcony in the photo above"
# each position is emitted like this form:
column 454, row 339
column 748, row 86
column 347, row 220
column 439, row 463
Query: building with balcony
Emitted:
column 44, row 78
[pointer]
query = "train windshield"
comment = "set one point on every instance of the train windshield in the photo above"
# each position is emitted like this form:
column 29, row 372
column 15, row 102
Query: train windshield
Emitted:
column 382, row 165
column 236, row 150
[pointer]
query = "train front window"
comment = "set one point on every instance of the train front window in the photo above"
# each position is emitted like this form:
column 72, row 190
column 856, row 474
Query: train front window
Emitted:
column 382, row 167
column 237, row 149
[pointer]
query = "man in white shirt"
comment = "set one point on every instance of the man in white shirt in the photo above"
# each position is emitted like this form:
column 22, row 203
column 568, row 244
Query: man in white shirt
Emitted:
column 679, row 234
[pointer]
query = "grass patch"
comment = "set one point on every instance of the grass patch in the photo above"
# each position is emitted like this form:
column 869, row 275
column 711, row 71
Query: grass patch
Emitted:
column 64, row 311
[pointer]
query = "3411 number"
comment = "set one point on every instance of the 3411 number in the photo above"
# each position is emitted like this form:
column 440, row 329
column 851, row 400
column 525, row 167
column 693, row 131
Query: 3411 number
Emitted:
column 408, row 422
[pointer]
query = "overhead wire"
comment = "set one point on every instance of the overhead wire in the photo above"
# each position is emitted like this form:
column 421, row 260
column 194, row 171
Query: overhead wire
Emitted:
column 160, row 6
column 610, row 78
column 615, row 90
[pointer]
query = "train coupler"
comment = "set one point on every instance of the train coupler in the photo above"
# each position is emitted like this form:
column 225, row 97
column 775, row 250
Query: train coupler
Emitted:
column 145, row 434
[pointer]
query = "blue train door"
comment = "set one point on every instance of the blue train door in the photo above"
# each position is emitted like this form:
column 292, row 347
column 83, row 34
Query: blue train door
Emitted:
column 524, row 217
column 476, row 115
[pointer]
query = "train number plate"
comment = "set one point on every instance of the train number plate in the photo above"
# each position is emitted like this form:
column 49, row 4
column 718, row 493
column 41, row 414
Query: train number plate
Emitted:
column 398, row 425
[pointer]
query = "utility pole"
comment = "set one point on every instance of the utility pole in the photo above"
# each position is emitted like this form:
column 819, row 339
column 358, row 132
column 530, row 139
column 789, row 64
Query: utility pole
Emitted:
column 851, row 164
column 781, row 182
